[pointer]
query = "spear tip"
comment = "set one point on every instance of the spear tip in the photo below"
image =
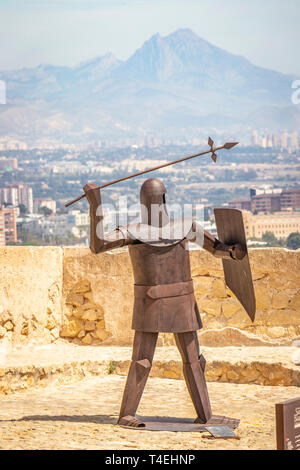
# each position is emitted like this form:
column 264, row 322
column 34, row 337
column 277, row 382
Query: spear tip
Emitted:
column 229, row 145
column 210, row 142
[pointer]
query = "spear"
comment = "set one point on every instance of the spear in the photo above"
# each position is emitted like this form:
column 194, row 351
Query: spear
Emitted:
column 212, row 150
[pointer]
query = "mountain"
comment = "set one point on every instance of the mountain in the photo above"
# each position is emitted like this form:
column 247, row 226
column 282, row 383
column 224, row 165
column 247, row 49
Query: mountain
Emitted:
column 173, row 85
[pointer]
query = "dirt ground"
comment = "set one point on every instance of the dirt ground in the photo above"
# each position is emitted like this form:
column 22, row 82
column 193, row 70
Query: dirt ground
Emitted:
column 83, row 416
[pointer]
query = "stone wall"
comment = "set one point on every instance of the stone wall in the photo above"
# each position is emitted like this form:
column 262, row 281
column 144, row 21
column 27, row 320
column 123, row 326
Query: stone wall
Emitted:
column 101, row 311
column 30, row 294
column 276, row 276
column 88, row 299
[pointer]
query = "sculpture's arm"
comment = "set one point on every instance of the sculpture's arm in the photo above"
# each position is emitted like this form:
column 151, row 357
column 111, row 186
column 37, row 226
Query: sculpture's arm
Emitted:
column 218, row 249
column 100, row 242
column 115, row 239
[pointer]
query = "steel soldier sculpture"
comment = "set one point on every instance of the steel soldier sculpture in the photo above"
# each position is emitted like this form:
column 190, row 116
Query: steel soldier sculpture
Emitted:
column 164, row 298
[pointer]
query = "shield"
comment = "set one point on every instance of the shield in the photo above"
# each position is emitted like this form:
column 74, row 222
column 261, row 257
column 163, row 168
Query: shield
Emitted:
column 238, row 275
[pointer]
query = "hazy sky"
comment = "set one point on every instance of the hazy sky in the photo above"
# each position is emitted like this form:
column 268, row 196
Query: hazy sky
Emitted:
column 66, row 32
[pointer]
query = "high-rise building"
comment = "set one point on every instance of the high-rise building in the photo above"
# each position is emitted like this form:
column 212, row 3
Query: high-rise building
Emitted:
column 9, row 195
column 268, row 201
column 294, row 140
column 284, row 140
column 264, row 141
column 270, row 140
column 242, row 204
column 2, row 228
column 254, row 137
column 10, row 221
column 8, row 163
column 17, row 194
column 8, row 225
column 290, row 199
column 275, row 141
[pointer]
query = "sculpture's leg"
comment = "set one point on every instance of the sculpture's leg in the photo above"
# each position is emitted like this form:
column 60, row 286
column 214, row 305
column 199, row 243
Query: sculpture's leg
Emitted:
column 193, row 370
column 142, row 355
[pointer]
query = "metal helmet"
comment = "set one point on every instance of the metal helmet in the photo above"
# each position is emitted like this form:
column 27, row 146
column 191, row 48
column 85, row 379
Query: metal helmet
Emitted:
column 153, row 203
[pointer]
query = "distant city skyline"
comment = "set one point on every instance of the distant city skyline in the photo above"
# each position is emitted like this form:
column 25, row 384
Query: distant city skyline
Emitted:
column 62, row 32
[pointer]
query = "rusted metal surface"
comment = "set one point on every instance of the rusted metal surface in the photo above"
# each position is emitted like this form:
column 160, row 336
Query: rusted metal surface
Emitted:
column 163, row 423
column 172, row 232
column 237, row 273
column 96, row 218
column 164, row 300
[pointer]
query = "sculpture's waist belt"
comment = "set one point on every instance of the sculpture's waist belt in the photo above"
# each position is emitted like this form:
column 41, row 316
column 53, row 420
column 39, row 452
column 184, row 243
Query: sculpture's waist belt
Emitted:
column 164, row 290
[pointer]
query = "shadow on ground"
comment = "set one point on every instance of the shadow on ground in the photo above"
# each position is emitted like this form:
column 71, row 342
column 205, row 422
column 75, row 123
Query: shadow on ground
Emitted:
column 98, row 419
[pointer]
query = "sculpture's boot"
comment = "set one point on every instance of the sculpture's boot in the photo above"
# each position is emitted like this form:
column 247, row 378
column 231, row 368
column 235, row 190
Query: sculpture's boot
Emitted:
column 142, row 355
column 193, row 370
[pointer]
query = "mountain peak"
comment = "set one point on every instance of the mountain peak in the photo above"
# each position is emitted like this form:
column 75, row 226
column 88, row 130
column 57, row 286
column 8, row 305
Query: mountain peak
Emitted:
column 156, row 38
column 184, row 33
column 175, row 83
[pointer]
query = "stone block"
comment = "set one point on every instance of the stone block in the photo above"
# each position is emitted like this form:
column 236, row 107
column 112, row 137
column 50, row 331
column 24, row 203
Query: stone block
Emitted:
column 295, row 301
column 75, row 299
column 283, row 318
column 90, row 315
column 218, row 289
column 202, row 285
column 211, row 322
column 8, row 325
column 89, row 325
column 262, row 296
column 50, row 323
column 100, row 324
column 210, row 307
column 232, row 376
column 25, row 329
column 82, row 287
column 102, row 335
column 240, row 319
column 76, row 312
column 71, row 328
column 230, row 308
column 87, row 339
column 280, row 300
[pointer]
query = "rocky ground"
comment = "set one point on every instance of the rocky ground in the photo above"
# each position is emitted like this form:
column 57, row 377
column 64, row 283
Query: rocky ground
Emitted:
column 82, row 415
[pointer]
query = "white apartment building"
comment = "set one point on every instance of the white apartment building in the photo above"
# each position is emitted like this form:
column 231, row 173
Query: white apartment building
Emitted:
column 44, row 202
column 17, row 194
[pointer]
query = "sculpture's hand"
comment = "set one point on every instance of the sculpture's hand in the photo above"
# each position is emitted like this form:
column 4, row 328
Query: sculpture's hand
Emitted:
column 99, row 241
column 90, row 194
column 237, row 252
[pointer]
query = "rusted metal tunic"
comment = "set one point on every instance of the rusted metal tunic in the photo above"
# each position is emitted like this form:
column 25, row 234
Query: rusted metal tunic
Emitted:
column 164, row 298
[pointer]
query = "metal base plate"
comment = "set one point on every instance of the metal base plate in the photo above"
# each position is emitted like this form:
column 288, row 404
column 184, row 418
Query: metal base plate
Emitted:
column 162, row 423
